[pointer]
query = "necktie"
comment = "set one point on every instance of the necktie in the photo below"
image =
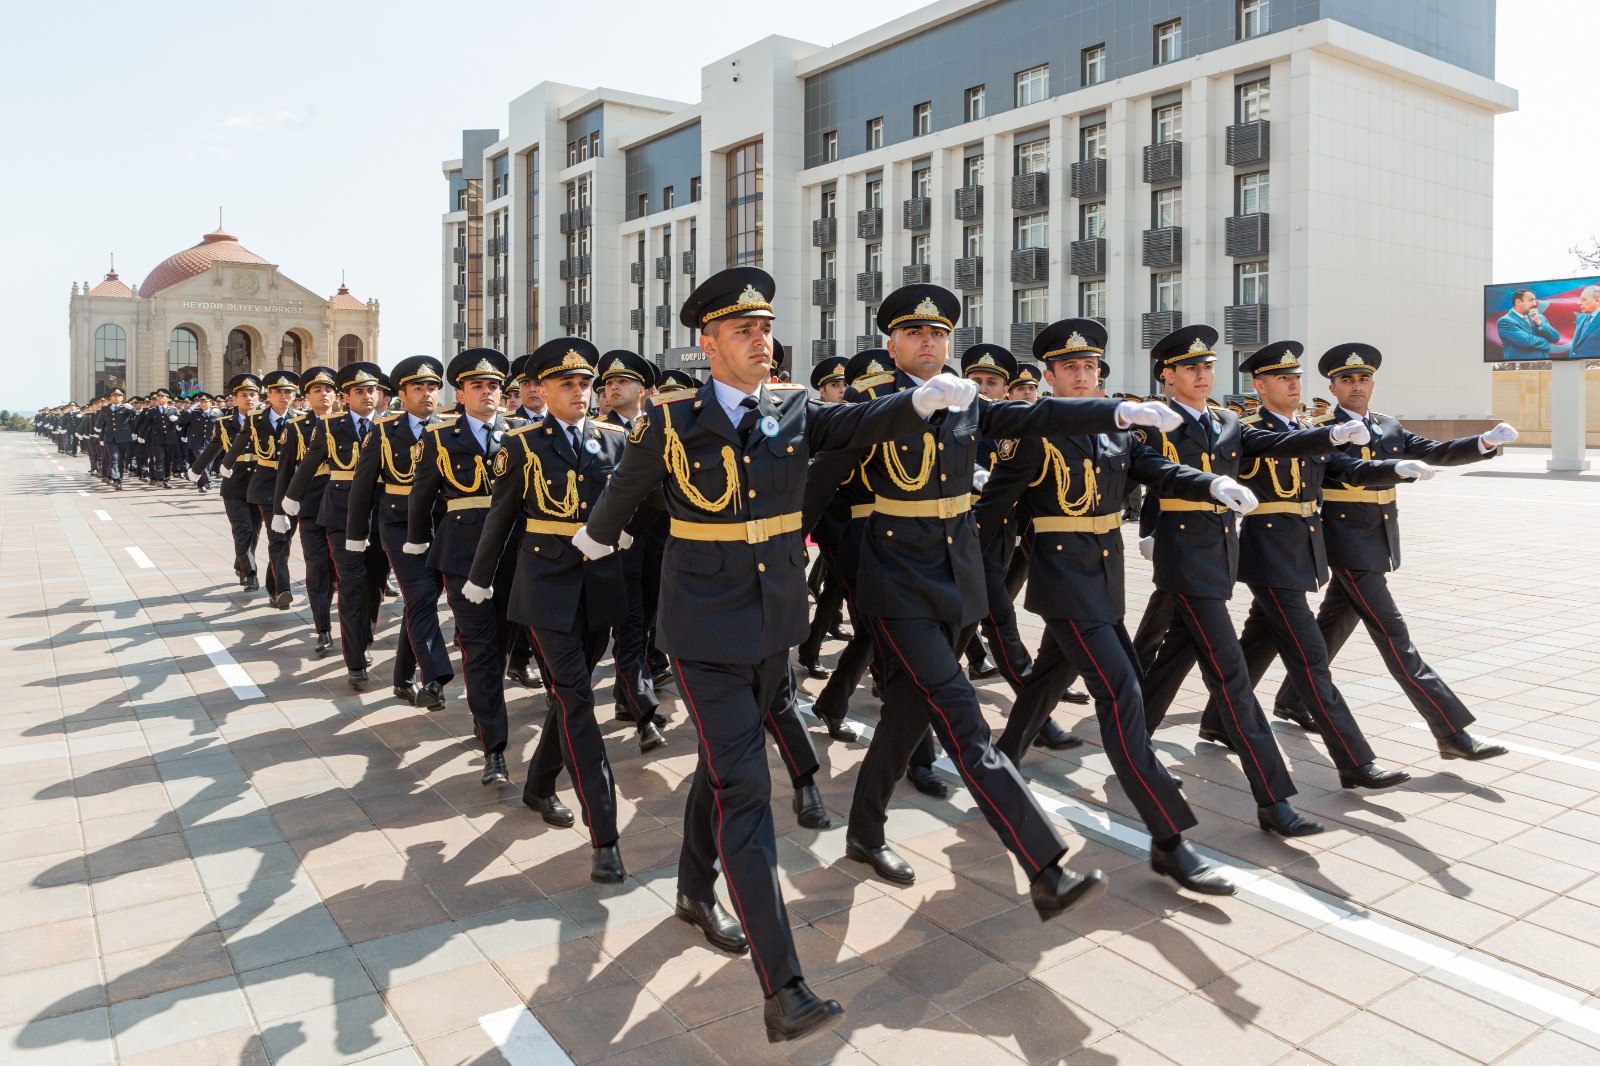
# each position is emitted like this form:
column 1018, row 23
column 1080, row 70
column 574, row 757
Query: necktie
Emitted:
column 572, row 437
column 748, row 419
column 361, row 428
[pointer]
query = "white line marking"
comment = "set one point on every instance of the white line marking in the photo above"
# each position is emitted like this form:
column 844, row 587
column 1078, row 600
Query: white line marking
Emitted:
column 1529, row 749
column 102, row 516
column 141, row 558
column 230, row 670
column 1320, row 911
column 522, row 1039
column 82, row 493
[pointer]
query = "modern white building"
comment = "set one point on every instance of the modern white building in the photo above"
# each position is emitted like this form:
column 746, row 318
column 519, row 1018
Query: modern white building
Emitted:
column 1320, row 170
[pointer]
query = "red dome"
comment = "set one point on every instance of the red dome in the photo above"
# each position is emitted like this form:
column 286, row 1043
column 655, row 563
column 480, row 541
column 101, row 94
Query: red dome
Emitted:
column 215, row 247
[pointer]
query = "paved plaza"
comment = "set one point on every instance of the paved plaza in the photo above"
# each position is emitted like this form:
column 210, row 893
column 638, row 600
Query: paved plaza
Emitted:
column 214, row 851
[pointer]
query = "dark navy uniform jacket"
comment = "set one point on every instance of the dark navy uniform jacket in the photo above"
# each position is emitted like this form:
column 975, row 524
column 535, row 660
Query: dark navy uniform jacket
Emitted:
column 293, row 444
column 382, row 483
column 1283, row 549
column 1077, row 575
column 1366, row 535
column 539, row 478
column 451, row 464
column 736, row 601
column 255, row 448
column 334, row 442
column 236, row 485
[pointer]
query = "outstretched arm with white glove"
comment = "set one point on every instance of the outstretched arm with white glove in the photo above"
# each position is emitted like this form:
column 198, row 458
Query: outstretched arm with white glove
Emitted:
column 1503, row 433
column 980, row 478
column 943, row 392
column 1414, row 469
column 411, row 547
column 1147, row 547
column 1232, row 495
column 1351, row 432
column 1150, row 413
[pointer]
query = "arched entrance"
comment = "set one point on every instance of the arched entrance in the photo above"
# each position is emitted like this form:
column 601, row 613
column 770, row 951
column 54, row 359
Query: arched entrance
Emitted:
column 183, row 361
column 110, row 359
column 349, row 349
column 237, row 357
column 290, row 351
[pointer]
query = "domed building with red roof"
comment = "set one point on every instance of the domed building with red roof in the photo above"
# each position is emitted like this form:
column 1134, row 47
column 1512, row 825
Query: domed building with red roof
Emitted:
column 205, row 314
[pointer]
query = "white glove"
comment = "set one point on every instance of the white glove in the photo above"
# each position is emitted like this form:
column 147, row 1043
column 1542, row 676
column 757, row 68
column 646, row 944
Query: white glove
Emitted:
column 1148, row 413
column 280, row 523
column 1232, row 495
column 413, row 548
column 980, row 478
column 1147, row 547
column 477, row 593
column 1504, row 433
column 624, row 540
column 590, row 547
column 290, row 507
column 355, row 545
column 1414, row 468
column 225, row 470
column 941, row 392
column 1350, row 433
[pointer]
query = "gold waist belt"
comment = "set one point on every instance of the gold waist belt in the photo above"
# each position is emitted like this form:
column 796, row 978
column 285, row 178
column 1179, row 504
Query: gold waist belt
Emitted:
column 268, row 464
column 1191, row 505
column 944, row 507
column 540, row 525
column 397, row 490
column 756, row 531
column 861, row 510
column 341, row 475
column 1304, row 510
column 468, row 503
column 1358, row 495
column 1100, row 523
column 244, row 457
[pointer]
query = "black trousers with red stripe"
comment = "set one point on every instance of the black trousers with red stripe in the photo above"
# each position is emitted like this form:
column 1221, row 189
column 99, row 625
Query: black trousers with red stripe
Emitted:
column 355, row 584
column 319, row 573
column 830, row 607
column 1202, row 633
column 278, row 545
column 244, row 522
column 421, row 642
column 1280, row 623
column 925, row 686
column 789, row 732
column 482, row 669
column 1102, row 653
column 1363, row 595
column 569, row 656
column 728, row 815
column 634, row 687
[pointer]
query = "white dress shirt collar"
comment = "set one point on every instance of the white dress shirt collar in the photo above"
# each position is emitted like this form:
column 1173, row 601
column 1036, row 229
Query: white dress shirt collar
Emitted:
column 732, row 399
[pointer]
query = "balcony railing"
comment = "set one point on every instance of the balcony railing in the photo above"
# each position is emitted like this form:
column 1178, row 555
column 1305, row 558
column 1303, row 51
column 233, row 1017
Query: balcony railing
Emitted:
column 1246, row 235
column 636, row 273
column 869, row 223
column 1163, row 247
column 663, row 268
column 1157, row 324
column 916, row 213
column 824, row 232
column 1245, row 324
column 1030, row 266
column 458, row 254
column 1022, row 334
column 663, row 316
column 915, row 274
column 458, row 330
column 1249, row 143
column 869, row 286
column 1089, row 178
column 964, row 337
column 1030, row 192
column 824, row 292
column 969, row 202
column 459, row 292
column 1163, row 162
column 1088, row 256
column 823, row 349
column 636, row 320
column 868, row 340
column 969, row 273
column 688, row 262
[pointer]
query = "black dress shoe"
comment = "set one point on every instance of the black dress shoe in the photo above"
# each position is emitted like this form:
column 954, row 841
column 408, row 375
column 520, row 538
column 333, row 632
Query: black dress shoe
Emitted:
column 406, row 692
column 430, row 697
column 1371, row 775
column 808, row 808
column 358, row 680
column 1075, row 695
column 391, row 588
column 607, row 868
column 1284, row 820
column 650, row 737
column 282, row 601
column 877, row 691
column 1055, row 738
column 883, row 860
column 982, row 670
column 1184, row 865
column 838, row 728
column 252, row 585
column 1058, row 889
column 1298, row 715
column 551, row 809
column 664, row 677
column 324, row 644
column 494, row 769
column 927, row 782
column 1212, row 736
column 795, row 1012
column 717, row 924
column 839, row 631
column 620, row 713
column 524, row 677
column 1464, row 745
column 366, row 657
column 814, row 669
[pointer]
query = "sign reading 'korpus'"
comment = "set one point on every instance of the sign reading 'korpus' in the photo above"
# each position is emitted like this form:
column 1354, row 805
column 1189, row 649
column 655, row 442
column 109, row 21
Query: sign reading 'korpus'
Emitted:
column 268, row 309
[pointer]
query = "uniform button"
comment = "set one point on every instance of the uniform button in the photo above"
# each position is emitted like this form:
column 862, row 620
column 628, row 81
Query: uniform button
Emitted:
column 1269, row 525
column 580, row 477
column 941, row 446
column 1058, row 547
column 1098, row 470
column 949, row 540
column 943, row 478
column 761, row 567
column 888, row 532
column 696, row 466
column 1182, row 526
column 1104, row 552
column 752, row 494
column 536, row 547
column 790, row 449
column 746, row 459
column 584, row 506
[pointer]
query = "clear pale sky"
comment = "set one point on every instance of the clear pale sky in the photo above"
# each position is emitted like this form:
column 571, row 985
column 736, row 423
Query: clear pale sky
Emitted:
column 319, row 129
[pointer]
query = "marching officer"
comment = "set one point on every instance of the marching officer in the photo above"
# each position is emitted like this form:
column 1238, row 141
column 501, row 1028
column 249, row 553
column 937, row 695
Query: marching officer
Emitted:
column 318, row 384
column 162, row 437
column 255, row 448
column 116, row 435
column 828, row 379
column 1363, row 541
column 446, row 518
column 522, row 395
column 337, row 442
column 243, row 520
column 381, row 487
column 1196, row 552
column 1281, row 558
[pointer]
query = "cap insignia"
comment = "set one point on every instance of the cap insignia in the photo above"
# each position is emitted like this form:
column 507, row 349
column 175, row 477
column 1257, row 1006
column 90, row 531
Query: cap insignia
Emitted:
column 1198, row 347
column 1076, row 341
column 928, row 307
column 572, row 359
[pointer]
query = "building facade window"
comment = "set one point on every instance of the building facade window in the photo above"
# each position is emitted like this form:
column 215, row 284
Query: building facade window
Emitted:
column 1030, row 305
column 1254, row 194
column 530, row 312
column 922, row 120
column 830, row 325
column 1169, row 42
column 977, row 105
column 349, row 349
column 1033, row 231
column 830, row 264
column 694, row 190
column 830, row 204
column 972, row 170
column 1094, row 65
column 1092, row 141
column 1254, row 18
column 830, row 146
column 972, row 241
column 920, row 245
column 744, row 207
column 874, row 258
column 669, row 198
column 922, row 182
column 183, row 361
column 875, row 192
column 239, row 355
column 972, row 311
column 1255, row 101
column 1092, row 299
column 1166, row 208
column 500, row 176
column 1033, row 85
column 1033, row 157
column 1169, row 123
column 1250, row 283
column 1091, row 221
column 1166, row 291
column 289, row 353
column 874, row 133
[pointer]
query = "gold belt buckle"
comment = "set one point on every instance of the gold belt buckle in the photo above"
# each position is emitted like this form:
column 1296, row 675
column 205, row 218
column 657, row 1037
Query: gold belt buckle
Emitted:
column 947, row 506
column 755, row 531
